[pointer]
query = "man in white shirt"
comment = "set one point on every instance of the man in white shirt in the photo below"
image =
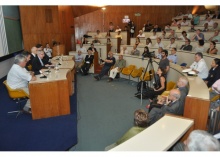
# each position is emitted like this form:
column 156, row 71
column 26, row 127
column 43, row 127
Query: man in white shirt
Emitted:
column 184, row 23
column 159, row 43
column 199, row 66
column 141, row 34
column 82, row 49
column 209, row 21
column 18, row 76
column 172, row 44
column 124, row 50
column 98, row 34
column 179, row 29
column 79, row 60
column 118, row 29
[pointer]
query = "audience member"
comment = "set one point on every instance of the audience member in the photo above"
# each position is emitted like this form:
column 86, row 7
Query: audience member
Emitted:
column 179, row 29
column 137, row 42
column 141, row 34
column 119, row 65
column 198, row 140
column 108, row 63
column 171, row 44
column 159, row 52
column 196, row 19
column 148, row 26
column 118, row 35
column 189, row 15
column 148, row 42
column 135, row 51
column 167, row 28
column 108, row 34
column 212, row 48
column 92, row 48
column 163, row 35
column 174, row 23
column 184, row 36
column 173, row 57
column 111, row 27
column 164, row 62
column 96, row 41
column 159, row 87
column 154, row 36
column 199, row 66
column 28, row 59
column 214, row 74
column 187, row 46
column 198, row 35
column 172, row 35
column 87, row 63
column 215, row 37
column 79, row 60
column 48, row 50
column 192, row 29
column 206, row 28
column 172, row 107
column 215, row 27
column 159, row 43
column 81, row 48
column 156, row 28
column 200, row 47
column 146, row 52
column 18, row 77
column 140, row 123
column 209, row 21
column 132, row 29
column 216, row 15
column 46, row 59
column 98, row 34
column 33, row 53
column 124, row 50
column 118, row 29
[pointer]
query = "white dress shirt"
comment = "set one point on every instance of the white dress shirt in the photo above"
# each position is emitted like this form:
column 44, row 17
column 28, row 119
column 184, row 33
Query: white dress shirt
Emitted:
column 201, row 67
column 159, row 45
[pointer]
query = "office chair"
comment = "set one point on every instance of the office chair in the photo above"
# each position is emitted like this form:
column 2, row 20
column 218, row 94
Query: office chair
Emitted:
column 17, row 95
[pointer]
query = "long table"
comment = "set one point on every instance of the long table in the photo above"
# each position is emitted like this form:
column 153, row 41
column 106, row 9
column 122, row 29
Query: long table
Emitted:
column 160, row 136
column 50, row 96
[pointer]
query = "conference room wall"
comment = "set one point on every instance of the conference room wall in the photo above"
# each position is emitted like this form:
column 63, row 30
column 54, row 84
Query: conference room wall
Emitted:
column 42, row 24
column 160, row 15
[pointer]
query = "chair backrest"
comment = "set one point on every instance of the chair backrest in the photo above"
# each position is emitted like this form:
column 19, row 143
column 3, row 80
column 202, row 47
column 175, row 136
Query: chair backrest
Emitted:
column 137, row 72
column 170, row 85
column 131, row 67
column 15, row 93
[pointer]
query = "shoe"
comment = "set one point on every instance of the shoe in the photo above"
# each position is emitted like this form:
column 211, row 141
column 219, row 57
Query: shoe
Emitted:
column 110, row 79
column 97, row 78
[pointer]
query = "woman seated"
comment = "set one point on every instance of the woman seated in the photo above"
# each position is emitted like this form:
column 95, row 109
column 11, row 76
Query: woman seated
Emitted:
column 212, row 48
column 200, row 47
column 87, row 63
column 154, row 36
column 146, row 52
column 159, row 86
column 214, row 73
column 148, row 42
column 137, row 42
column 140, row 123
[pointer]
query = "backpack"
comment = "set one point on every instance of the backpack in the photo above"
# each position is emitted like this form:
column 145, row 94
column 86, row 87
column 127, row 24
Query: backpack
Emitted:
column 139, row 85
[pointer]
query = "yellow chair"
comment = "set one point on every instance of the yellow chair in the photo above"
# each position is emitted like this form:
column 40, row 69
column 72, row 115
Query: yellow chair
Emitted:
column 215, row 98
column 170, row 85
column 136, row 73
column 149, row 75
column 29, row 67
column 128, row 70
column 16, row 94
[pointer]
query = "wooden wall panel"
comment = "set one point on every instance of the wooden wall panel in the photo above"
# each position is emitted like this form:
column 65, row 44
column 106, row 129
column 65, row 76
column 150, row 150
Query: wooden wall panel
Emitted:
column 160, row 15
column 37, row 29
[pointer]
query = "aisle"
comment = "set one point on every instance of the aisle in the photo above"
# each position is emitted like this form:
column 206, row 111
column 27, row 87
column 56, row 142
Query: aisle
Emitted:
column 105, row 111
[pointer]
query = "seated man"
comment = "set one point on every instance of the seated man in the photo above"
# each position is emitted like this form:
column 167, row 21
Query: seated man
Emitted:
column 159, row 43
column 172, row 107
column 171, row 44
column 173, row 57
column 172, row 35
column 87, row 63
column 79, row 60
column 198, row 36
column 187, row 46
column 28, row 57
column 119, row 65
column 214, row 27
column 46, row 59
column 108, row 63
column 140, row 123
column 18, row 77
column 198, row 140
column 215, row 37
column 135, row 51
column 98, row 34
column 141, row 34
column 96, row 40
column 38, row 64
column 199, row 66
column 179, row 29
column 124, row 50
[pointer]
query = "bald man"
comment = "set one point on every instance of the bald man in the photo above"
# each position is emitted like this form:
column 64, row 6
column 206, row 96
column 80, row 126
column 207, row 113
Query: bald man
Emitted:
column 172, row 107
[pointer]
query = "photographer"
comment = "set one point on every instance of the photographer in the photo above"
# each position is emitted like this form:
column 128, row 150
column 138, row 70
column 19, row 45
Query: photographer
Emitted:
column 146, row 52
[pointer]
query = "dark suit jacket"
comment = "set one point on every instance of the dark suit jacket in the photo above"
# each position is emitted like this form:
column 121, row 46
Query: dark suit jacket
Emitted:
column 36, row 66
column 214, row 16
column 183, row 92
column 156, row 113
column 213, row 76
column 186, row 48
column 90, row 59
column 157, row 29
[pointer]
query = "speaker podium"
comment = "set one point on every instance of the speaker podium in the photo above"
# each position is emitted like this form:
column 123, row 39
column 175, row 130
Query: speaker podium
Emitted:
column 58, row 50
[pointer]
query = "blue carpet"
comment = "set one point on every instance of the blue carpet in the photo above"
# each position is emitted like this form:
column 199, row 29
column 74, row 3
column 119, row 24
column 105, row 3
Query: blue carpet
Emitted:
column 25, row 134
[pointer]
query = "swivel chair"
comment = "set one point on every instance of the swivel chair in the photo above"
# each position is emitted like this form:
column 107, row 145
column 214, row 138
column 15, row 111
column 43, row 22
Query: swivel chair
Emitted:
column 215, row 98
column 17, row 95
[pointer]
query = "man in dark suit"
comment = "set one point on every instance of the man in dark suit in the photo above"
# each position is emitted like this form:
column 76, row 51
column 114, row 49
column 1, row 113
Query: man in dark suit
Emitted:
column 156, row 28
column 46, row 59
column 172, row 107
column 33, row 54
column 37, row 63
column 87, row 63
column 187, row 46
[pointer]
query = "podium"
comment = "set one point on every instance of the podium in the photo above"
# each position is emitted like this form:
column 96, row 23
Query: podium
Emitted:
column 58, row 50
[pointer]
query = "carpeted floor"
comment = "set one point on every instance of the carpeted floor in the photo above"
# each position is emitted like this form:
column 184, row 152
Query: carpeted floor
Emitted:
column 105, row 111
column 25, row 134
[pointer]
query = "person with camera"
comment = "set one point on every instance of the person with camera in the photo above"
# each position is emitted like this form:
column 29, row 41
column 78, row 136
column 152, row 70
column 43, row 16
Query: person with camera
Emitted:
column 146, row 52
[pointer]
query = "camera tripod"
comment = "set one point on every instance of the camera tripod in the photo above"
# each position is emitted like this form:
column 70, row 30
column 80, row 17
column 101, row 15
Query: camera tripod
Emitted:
column 151, row 73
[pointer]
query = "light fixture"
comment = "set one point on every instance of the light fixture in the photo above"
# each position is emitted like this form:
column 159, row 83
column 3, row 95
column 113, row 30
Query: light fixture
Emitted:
column 210, row 7
column 103, row 8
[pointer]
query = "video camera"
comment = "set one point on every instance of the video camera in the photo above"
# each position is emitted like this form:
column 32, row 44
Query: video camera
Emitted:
column 149, row 54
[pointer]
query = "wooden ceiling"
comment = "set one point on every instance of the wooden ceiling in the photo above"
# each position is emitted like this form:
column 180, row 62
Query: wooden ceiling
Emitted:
column 81, row 10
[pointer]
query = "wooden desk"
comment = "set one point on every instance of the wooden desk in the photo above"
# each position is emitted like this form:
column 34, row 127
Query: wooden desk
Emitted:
column 49, row 97
column 160, row 136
